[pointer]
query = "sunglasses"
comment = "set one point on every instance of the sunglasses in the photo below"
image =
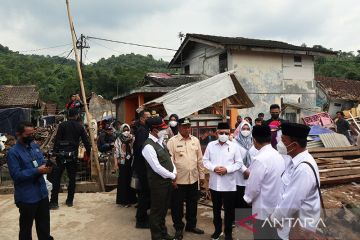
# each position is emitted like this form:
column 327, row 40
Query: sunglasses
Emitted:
column 223, row 133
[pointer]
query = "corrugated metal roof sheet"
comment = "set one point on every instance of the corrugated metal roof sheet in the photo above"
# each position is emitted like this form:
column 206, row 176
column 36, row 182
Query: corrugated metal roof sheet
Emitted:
column 334, row 140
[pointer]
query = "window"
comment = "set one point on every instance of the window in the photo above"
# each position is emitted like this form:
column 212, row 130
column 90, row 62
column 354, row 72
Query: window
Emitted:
column 223, row 64
column 297, row 61
column 291, row 117
column 187, row 69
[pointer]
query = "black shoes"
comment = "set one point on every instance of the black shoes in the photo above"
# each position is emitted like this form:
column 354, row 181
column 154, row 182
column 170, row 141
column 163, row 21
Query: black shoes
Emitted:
column 178, row 235
column 53, row 206
column 142, row 225
column 216, row 235
column 194, row 230
column 69, row 203
column 228, row 237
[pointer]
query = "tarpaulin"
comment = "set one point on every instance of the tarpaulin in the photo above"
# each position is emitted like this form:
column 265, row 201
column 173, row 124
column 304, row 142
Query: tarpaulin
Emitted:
column 11, row 117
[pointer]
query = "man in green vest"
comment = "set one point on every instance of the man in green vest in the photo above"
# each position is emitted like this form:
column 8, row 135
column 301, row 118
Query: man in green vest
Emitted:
column 161, row 174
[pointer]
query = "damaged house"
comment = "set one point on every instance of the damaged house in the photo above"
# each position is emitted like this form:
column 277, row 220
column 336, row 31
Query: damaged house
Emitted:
column 269, row 71
column 17, row 104
column 337, row 94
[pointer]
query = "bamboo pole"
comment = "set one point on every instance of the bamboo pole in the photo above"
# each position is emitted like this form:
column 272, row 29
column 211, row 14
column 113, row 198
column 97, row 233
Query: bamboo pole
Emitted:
column 88, row 115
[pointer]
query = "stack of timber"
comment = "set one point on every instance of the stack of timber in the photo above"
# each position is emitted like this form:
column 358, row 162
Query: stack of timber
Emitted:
column 337, row 165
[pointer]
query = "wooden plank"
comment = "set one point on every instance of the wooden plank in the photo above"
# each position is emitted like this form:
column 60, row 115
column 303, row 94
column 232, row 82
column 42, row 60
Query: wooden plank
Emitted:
column 339, row 149
column 352, row 117
column 339, row 180
column 336, row 165
column 336, row 154
column 339, row 173
column 334, row 161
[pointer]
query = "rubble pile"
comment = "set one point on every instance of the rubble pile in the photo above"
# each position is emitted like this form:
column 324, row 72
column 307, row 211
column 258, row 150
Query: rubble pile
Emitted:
column 337, row 165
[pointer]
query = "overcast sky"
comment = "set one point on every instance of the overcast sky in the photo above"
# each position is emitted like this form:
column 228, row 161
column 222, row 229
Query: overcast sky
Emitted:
column 34, row 24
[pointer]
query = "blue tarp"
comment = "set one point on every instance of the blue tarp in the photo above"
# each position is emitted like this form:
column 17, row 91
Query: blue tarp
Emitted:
column 317, row 130
column 11, row 117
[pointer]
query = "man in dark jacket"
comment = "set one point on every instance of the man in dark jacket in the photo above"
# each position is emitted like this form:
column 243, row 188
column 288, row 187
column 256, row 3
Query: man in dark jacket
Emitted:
column 66, row 149
column 274, row 123
column 106, row 140
column 139, row 166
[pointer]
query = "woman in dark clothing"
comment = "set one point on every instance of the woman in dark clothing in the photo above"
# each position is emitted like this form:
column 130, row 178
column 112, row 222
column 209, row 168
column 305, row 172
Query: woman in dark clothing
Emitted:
column 123, row 160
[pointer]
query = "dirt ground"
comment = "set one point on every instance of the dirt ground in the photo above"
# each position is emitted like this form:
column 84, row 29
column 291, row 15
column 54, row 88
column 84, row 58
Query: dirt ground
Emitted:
column 95, row 216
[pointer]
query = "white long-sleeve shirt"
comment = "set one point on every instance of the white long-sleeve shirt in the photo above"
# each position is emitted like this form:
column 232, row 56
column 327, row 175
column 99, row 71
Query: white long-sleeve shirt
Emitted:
column 227, row 155
column 240, row 180
column 263, row 188
column 150, row 156
column 299, row 195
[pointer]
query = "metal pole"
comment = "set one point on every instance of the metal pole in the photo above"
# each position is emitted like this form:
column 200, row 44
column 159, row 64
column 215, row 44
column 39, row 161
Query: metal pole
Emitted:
column 88, row 115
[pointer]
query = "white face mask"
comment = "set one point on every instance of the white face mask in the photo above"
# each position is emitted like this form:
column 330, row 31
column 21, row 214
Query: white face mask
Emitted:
column 2, row 146
column 223, row 138
column 126, row 133
column 245, row 133
column 173, row 123
column 281, row 148
column 161, row 134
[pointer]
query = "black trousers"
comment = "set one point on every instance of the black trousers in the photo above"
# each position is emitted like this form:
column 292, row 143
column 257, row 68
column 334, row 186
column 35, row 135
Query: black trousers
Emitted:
column 242, row 209
column 58, row 172
column 264, row 231
column 188, row 193
column 226, row 199
column 143, row 200
column 125, row 194
column 160, row 200
column 34, row 211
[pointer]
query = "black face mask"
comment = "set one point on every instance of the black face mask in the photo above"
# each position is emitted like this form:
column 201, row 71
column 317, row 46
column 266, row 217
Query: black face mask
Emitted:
column 274, row 116
column 28, row 140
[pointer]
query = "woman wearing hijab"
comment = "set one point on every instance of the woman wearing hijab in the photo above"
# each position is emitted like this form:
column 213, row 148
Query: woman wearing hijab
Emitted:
column 123, row 157
column 245, row 142
column 173, row 129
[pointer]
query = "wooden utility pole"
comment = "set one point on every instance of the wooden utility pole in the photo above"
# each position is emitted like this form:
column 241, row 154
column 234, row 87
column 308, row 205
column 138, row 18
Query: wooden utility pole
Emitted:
column 88, row 115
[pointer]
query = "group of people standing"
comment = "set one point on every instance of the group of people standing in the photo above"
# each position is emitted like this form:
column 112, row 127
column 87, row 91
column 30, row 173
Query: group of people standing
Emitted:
column 262, row 171
column 256, row 172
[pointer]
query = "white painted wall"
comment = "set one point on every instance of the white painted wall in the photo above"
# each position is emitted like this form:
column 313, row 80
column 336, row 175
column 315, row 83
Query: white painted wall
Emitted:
column 265, row 77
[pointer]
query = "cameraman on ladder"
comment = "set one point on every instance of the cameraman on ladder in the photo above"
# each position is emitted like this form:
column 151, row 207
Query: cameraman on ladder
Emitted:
column 66, row 147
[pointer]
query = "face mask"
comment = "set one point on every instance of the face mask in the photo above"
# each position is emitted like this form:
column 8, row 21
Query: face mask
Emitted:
column 245, row 133
column 2, row 146
column 281, row 148
column 161, row 134
column 126, row 133
column 274, row 116
column 173, row 123
column 223, row 138
column 28, row 140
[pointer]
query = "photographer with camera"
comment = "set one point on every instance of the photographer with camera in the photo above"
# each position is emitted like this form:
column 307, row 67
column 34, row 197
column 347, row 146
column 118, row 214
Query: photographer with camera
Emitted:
column 27, row 168
column 66, row 147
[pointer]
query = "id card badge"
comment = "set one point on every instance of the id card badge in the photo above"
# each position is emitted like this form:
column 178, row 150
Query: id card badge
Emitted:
column 35, row 164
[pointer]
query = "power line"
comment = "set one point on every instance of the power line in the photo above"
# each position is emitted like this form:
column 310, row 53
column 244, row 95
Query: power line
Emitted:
column 40, row 49
column 105, row 46
column 133, row 44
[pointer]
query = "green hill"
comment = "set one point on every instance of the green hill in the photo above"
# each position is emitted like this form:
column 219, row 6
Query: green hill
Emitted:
column 56, row 78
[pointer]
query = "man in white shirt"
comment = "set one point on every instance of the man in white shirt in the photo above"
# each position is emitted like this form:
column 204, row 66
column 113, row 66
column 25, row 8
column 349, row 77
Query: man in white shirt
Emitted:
column 222, row 158
column 161, row 173
column 263, row 186
column 300, row 194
